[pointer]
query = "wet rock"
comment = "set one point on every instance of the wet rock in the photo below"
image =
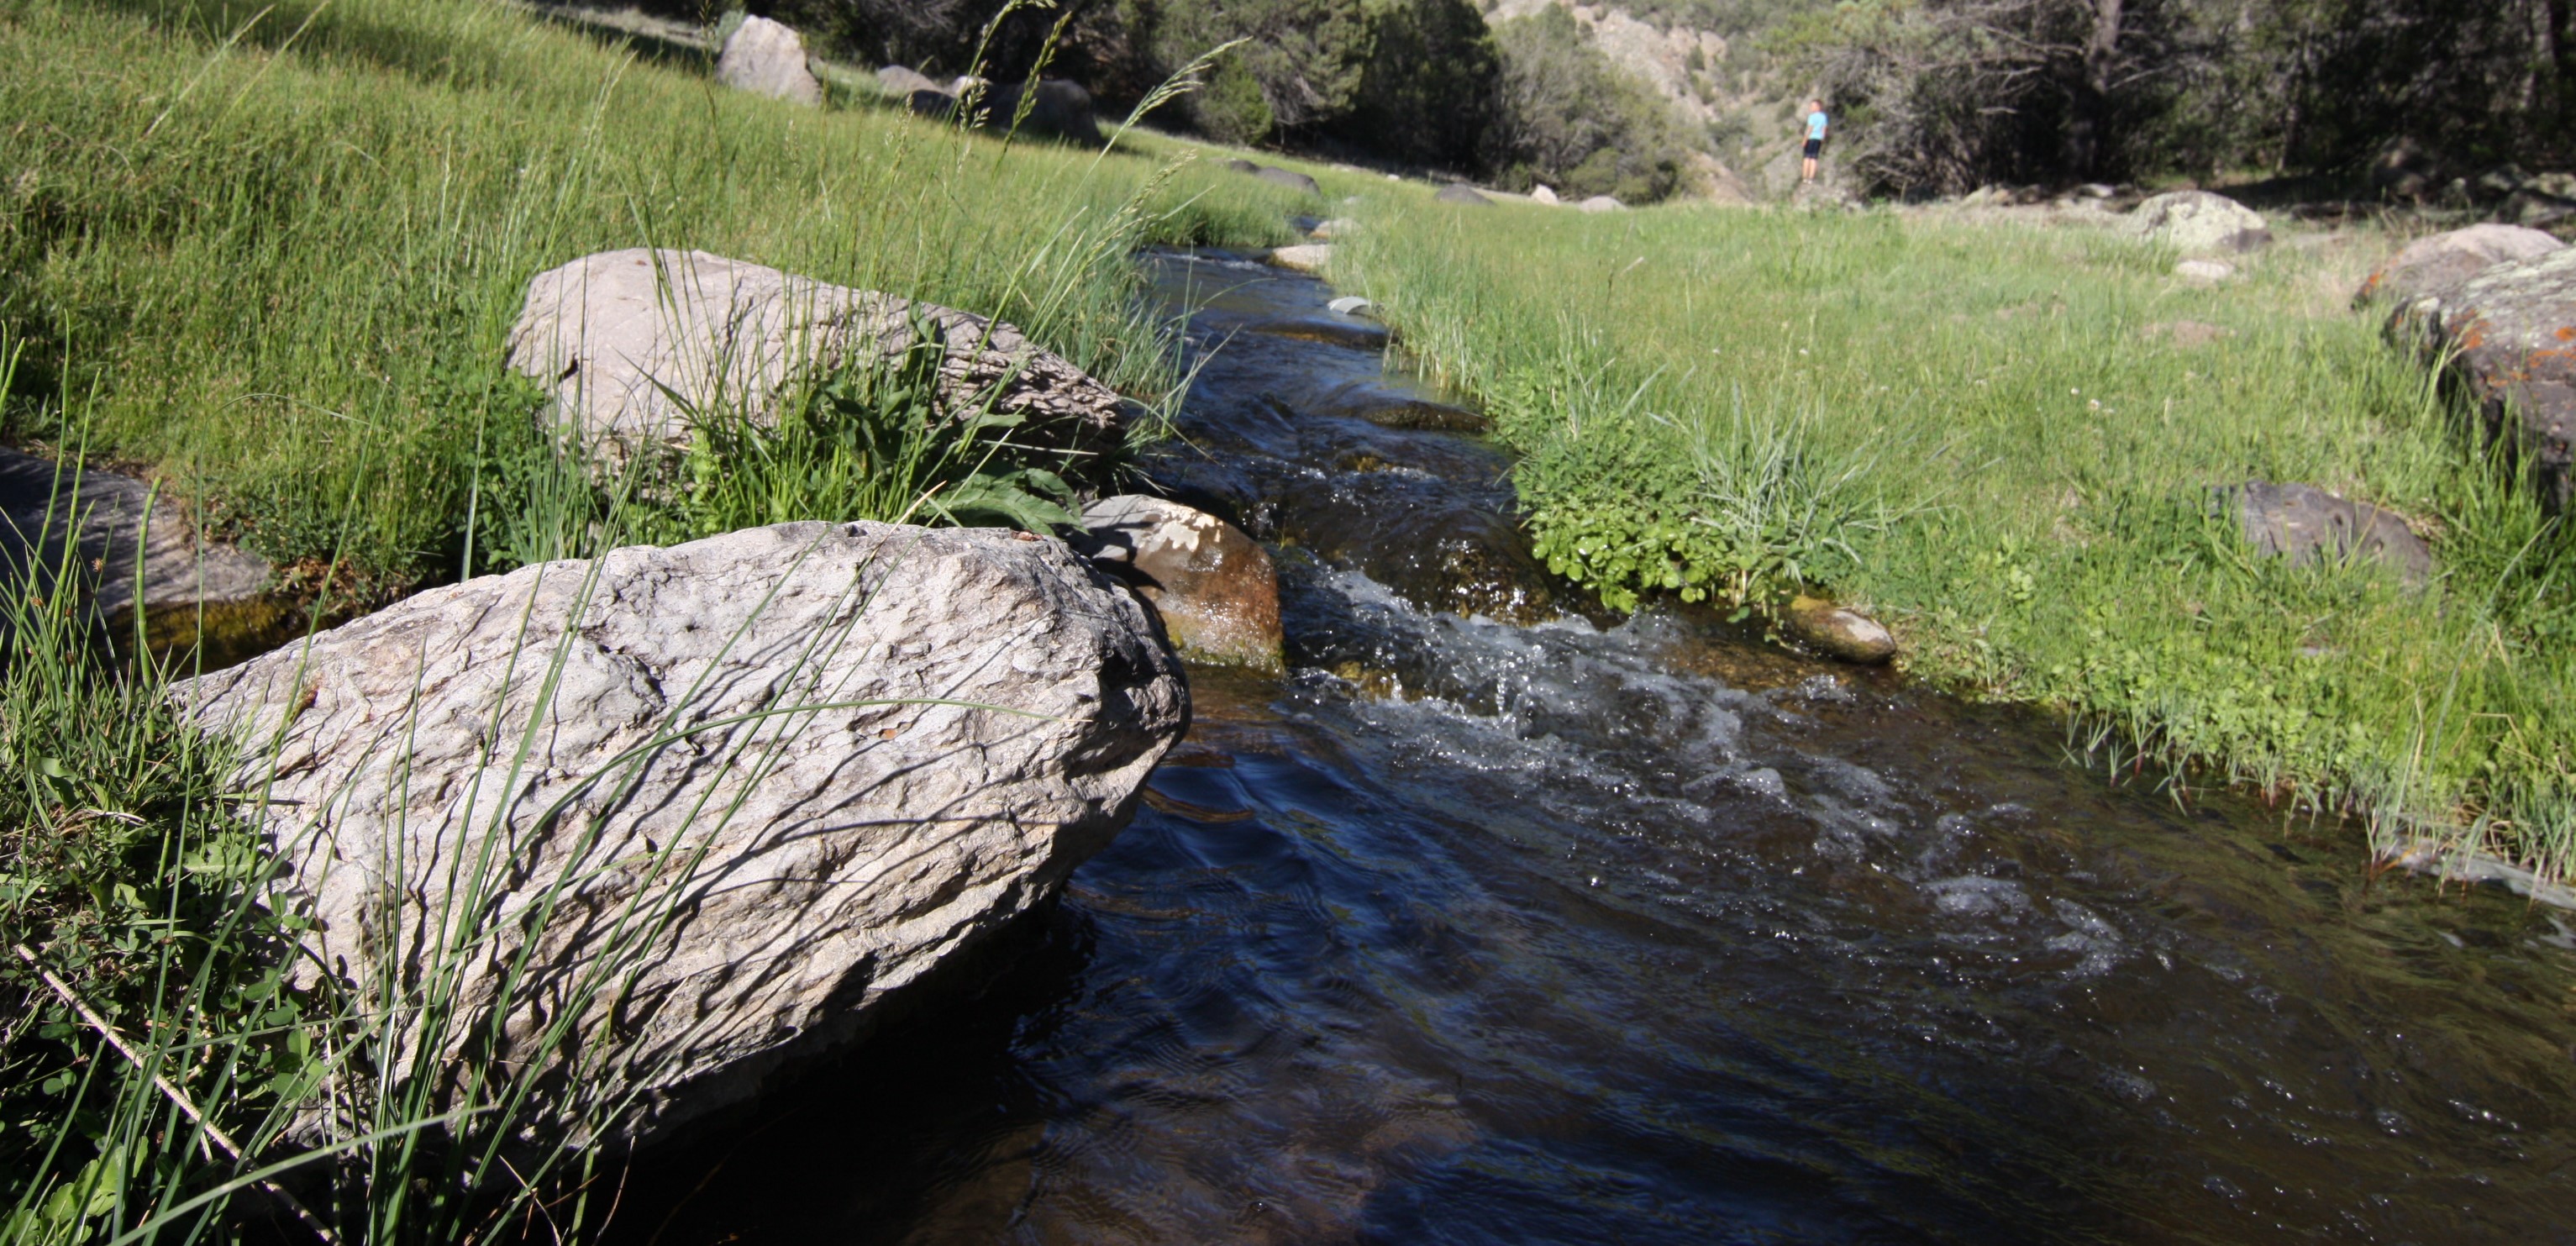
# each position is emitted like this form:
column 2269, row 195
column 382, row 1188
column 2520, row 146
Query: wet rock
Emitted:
column 2437, row 264
column 1291, row 179
column 1601, row 203
column 1356, row 334
column 115, row 537
column 2508, row 336
column 2198, row 222
column 614, row 331
column 767, row 58
column 1214, row 586
column 2306, row 525
column 1837, row 631
column 1543, row 193
column 822, row 859
column 2207, row 271
column 1307, row 258
column 1349, row 305
column 1391, row 408
column 1463, row 195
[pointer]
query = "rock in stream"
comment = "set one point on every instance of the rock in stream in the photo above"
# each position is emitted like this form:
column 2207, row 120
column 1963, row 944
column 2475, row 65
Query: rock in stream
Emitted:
column 814, row 859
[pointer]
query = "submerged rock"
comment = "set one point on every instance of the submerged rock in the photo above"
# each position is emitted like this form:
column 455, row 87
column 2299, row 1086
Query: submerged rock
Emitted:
column 619, row 333
column 2196, row 221
column 2306, row 525
column 2508, row 335
column 2441, row 263
column 117, row 539
column 1214, row 586
column 1837, row 631
column 767, row 58
column 614, row 733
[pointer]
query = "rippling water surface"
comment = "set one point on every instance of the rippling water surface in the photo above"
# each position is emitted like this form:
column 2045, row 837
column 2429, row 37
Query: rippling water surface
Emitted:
column 1490, row 924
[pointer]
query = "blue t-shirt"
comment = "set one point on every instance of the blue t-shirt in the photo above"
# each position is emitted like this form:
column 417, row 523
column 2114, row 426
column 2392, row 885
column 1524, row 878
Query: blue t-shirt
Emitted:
column 1816, row 124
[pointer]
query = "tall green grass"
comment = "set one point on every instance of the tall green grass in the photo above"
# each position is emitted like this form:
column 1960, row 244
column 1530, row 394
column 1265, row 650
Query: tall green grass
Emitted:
column 1996, row 437
column 282, row 245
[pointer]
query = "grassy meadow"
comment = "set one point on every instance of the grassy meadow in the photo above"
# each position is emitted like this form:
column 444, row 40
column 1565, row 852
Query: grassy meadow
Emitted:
column 2002, row 440
column 273, row 251
column 269, row 254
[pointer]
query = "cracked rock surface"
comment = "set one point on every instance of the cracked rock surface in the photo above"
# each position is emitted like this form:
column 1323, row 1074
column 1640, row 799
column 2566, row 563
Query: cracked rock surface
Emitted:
column 581, row 729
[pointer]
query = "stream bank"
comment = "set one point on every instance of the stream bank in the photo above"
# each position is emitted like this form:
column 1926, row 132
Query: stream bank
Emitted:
column 1491, row 922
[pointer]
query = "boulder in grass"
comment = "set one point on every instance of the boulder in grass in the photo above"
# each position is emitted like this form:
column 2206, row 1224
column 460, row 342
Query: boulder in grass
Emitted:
column 766, row 58
column 2197, row 222
column 1544, row 193
column 2206, row 272
column 1601, row 203
column 902, row 81
column 116, row 535
column 1464, row 196
column 1213, row 586
column 634, row 340
column 2307, row 525
column 2508, row 336
column 1057, row 109
column 2440, row 263
column 701, row 762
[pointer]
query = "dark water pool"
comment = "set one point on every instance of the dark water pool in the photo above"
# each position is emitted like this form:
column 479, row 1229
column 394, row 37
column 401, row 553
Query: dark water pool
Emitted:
column 1490, row 924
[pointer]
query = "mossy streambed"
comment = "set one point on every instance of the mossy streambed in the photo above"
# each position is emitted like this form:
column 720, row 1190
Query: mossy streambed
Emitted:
column 1489, row 922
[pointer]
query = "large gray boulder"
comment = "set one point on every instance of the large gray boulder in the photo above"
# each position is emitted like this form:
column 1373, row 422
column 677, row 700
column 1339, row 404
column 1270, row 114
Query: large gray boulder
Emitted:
column 1212, row 584
column 2439, row 263
column 695, row 761
column 1059, row 109
column 1289, row 178
column 619, row 333
column 2508, row 335
column 115, row 537
column 2197, row 222
column 766, row 58
column 2307, row 525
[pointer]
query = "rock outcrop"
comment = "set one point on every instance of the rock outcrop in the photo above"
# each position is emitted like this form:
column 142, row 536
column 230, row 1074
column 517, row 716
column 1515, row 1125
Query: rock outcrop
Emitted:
column 2306, row 525
column 1214, row 586
column 112, row 535
column 2198, row 222
column 767, row 58
column 723, row 797
column 2440, row 263
column 620, row 333
column 2509, row 336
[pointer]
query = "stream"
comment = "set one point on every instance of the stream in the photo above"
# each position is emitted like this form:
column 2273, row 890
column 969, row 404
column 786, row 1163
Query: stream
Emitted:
column 1495, row 922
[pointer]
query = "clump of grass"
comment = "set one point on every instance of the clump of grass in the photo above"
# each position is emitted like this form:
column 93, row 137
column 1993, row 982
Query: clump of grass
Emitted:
column 285, row 243
column 1989, row 435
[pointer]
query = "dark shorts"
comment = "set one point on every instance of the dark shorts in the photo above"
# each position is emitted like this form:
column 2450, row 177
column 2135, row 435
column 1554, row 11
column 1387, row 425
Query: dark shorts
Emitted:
column 1815, row 147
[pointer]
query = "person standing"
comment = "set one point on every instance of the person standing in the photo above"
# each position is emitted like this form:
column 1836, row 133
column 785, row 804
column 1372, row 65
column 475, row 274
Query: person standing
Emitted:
column 1815, row 141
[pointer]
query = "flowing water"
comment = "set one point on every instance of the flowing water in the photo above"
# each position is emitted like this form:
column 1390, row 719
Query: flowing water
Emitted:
column 1491, row 922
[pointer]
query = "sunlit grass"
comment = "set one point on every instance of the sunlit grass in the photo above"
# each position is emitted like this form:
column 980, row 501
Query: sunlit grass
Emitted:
column 2020, row 401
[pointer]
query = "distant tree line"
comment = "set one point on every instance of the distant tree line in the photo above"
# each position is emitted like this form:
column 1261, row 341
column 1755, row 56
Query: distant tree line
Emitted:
column 1943, row 95
column 1419, row 83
